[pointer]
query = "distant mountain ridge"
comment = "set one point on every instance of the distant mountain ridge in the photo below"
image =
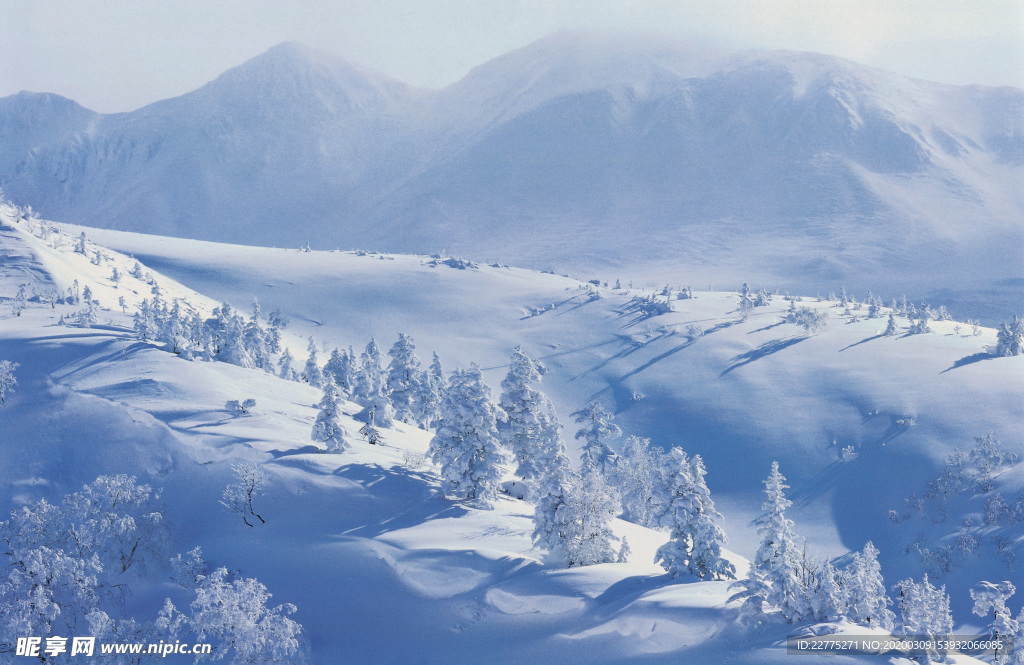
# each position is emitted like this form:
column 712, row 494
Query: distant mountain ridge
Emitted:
column 576, row 152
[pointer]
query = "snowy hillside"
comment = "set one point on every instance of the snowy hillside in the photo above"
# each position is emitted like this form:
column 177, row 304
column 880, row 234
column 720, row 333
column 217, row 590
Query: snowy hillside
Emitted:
column 676, row 160
column 381, row 567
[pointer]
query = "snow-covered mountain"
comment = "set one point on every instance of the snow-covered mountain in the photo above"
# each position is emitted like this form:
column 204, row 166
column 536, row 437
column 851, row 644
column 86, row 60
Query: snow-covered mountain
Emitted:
column 685, row 161
column 361, row 541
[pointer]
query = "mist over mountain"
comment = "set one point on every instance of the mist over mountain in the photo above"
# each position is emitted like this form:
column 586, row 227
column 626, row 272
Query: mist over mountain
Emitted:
column 578, row 152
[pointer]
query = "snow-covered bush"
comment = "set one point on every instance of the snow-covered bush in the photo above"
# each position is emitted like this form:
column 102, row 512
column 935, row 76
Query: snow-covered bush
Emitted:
column 811, row 320
column 236, row 408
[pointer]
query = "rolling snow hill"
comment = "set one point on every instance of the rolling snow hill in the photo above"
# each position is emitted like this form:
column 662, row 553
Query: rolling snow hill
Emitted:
column 681, row 161
column 362, row 542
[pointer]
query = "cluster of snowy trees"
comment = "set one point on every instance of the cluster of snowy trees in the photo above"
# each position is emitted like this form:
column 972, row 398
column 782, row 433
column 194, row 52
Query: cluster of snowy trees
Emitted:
column 400, row 390
column 68, row 565
column 225, row 335
column 966, row 485
column 784, row 579
column 477, row 438
column 1010, row 338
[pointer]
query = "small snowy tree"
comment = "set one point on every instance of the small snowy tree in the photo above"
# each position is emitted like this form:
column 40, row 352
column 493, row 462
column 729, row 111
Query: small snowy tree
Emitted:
column 19, row 303
column 404, row 381
column 341, row 368
column 989, row 597
column 372, row 387
column 686, row 509
column 867, row 602
column 573, row 522
column 597, row 428
column 531, row 430
column 232, row 612
column 466, row 444
column 891, row 328
column 433, row 388
column 238, row 496
column 924, row 611
column 311, row 373
column 7, row 379
column 639, row 477
column 326, row 429
column 772, row 580
column 1010, row 338
column 285, row 370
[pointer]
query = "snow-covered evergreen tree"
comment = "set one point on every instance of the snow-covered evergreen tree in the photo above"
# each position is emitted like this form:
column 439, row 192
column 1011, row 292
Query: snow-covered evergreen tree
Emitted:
column 830, row 601
column 341, row 368
column 1010, row 338
column 311, row 373
column 466, row 444
column 531, row 432
column 867, row 602
column 639, row 475
column 772, row 580
column 285, row 370
column 574, row 522
column 924, row 611
column 404, row 380
column 890, row 327
column 433, row 388
column 327, row 430
column 597, row 428
column 687, row 511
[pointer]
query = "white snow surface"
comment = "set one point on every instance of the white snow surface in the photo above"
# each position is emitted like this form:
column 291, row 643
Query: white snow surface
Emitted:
column 382, row 568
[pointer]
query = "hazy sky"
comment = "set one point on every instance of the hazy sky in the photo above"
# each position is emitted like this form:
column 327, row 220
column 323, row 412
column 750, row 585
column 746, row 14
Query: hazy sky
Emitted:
column 115, row 55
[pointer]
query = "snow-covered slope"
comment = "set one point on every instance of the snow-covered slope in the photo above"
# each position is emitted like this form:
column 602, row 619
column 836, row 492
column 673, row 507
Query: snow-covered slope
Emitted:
column 684, row 161
column 745, row 393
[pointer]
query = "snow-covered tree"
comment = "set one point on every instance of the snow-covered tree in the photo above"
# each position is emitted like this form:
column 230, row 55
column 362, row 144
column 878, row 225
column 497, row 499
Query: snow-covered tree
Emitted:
column 466, row 444
column 311, row 373
column 639, row 475
column 531, row 431
column 232, row 613
column 372, row 387
column 80, row 245
column 574, row 522
column 7, row 379
column 433, row 387
column 19, row 303
column 1010, row 338
column 772, row 580
column 404, row 380
column 830, row 598
column 285, row 370
column 327, row 430
column 238, row 496
column 990, row 600
column 890, row 327
column 924, row 611
column 341, row 368
column 687, row 511
column 867, row 602
column 597, row 428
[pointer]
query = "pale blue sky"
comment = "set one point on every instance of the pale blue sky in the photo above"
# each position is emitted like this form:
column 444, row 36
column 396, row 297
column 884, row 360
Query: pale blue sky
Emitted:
column 115, row 55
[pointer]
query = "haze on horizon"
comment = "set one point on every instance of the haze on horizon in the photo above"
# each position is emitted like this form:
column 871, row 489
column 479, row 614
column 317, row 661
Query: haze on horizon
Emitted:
column 121, row 55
